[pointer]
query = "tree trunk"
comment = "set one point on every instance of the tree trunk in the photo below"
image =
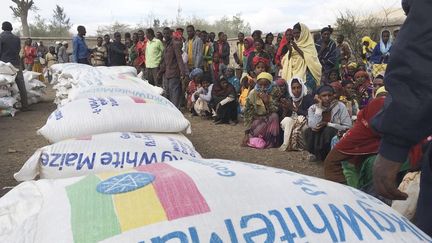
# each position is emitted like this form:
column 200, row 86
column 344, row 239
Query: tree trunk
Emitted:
column 25, row 26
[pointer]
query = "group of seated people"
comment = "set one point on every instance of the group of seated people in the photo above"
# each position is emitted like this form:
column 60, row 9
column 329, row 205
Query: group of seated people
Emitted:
column 301, row 108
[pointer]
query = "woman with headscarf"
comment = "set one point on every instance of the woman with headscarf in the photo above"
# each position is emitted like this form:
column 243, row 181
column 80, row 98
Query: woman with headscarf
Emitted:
column 295, row 112
column 325, row 119
column 249, row 48
column 327, row 52
column 381, row 52
column 224, row 102
column 260, row 114
column 301, row 59
column 282, row 49
column 363, row 88
column 368, row 48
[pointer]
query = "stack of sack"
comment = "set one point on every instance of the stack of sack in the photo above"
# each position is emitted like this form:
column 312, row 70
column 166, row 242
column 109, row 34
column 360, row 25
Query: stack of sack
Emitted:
column 108, row 128
column 73, row 77
column 7, row 79
column 36, row 90
column 9, row 93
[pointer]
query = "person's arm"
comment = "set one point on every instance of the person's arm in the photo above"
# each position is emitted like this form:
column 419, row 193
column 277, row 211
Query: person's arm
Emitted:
column 117, row 49
column 207, row 97
column 248, row 112
column 178, row 55
column 199, row 53
column 376, row 55
column 345, row 119
column 314, row 116
column 406, row 118
column 75, row 50
column 331, row 58
column 225, row 51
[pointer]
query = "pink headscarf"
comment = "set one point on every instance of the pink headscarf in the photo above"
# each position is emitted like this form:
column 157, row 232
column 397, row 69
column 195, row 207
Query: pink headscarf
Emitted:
column 251, row 48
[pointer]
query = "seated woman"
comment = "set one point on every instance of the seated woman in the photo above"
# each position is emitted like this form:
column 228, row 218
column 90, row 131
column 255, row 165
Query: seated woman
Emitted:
column 348, row 96
column 201, row 98
column 232, row 79
column 363, row 88
column 358, row 143
column 294, row 115
column 325, row 119
column 224, row 102
column 261, row 119
column 196, row 77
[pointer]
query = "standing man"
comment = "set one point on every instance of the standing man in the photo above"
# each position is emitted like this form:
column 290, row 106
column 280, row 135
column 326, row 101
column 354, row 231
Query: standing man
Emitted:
column 118, row 51
column 80, row 52
column 172, row 66
column 212, row 37
column 238, row 55
column 194, row 49
column 10, row 47
column 107, row 44
column 409, row 82
column 42, row 50
column 222, row 47
column 100, row 53
column 153, row 53
column 62, row 55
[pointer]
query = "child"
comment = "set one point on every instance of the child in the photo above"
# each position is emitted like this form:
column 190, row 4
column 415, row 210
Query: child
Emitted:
column 216, row 68
column 51, row 59
column 201, row 98
column 196, row 77
column 232, row 79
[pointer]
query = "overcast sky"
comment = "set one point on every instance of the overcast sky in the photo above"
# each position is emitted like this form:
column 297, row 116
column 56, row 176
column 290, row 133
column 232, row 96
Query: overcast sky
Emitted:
column 266, row 15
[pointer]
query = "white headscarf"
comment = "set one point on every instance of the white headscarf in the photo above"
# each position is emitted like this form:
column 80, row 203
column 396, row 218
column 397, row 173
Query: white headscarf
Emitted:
column 304, row 89
column 385, row 48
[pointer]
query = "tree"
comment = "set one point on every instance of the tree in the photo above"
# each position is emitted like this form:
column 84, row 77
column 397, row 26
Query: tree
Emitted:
column 354, row 27
column 115, row 27
column 60, row 23
column 21, row 12
column 38, row 27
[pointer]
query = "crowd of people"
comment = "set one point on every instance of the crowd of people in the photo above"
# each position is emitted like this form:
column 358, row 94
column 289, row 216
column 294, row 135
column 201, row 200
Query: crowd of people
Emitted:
column 300, row 92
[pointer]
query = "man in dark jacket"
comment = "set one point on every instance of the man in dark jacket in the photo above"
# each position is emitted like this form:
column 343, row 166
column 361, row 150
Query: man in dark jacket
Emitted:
column 172, row 67
column 10, row 47
column 118, row 51
column 407, row 115
column 222, row 47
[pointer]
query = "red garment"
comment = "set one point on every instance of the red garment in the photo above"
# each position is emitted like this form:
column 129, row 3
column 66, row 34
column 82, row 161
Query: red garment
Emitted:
column 177, row 35
column 215, row 67
column 366, row 83
column 283, row 43
column 257, row 59
column 30, row 54
column 361, row 139
column 140, row 50
column 192, row 87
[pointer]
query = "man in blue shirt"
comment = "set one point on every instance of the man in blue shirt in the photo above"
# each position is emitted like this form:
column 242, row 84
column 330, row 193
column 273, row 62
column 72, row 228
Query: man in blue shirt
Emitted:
column 10, row 47
column 80, row 52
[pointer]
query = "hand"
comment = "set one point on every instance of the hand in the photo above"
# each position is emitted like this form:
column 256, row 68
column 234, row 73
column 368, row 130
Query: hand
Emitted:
column 384, row 178
column 317, row 99
column 265, row 97
column 321, row 125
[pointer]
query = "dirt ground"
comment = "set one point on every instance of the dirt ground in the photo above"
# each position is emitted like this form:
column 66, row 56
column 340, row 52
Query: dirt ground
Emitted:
column 18, row 141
